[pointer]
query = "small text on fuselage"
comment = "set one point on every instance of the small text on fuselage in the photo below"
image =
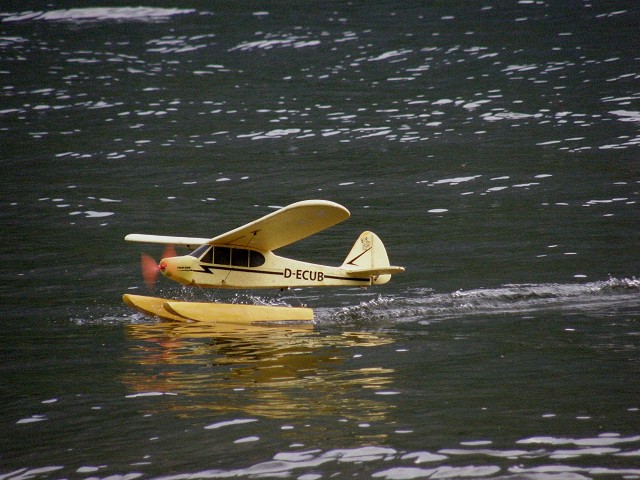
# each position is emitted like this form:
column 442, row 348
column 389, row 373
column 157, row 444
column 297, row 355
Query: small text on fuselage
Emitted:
column 311, row 275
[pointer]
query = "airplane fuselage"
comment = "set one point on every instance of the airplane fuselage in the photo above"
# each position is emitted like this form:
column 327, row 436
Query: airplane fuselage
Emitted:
column 235, row 267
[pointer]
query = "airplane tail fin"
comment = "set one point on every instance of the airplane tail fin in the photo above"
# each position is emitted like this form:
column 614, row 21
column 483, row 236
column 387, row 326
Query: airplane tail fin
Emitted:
column 368, row 257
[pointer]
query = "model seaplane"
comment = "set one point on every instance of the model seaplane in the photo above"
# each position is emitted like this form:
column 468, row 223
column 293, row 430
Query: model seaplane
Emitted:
column 245, row 258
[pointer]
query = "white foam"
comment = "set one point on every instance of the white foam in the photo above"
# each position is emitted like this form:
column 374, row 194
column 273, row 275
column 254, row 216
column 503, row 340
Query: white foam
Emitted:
column 389, row 54
column 487, row 452
column 26, row 474
column 476, row 443
column 443, row 101
column 456, row 180
column 520, row 68
column 633, row 453
column 32, row 419
column 361, row 454
column 239, row 421
column 89, row 469
column 100, row 14
column 493, row 117
column 270, row 43
column 438, row 472
column 424, row 457
column 381, row 131
column 277, row 133
column 247, row 439
column 94, row 214
column 579, row 452
column 474, row 105
column 627, row 115
column 149, row 394
column 582, row 442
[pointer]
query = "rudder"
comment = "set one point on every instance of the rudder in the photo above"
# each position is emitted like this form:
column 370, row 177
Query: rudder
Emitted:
column 368, row 253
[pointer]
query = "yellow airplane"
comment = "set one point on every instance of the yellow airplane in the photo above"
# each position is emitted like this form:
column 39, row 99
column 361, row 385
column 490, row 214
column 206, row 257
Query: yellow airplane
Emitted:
column 244, row 258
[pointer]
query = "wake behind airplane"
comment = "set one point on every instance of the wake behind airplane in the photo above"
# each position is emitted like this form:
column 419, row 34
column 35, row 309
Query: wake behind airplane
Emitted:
column 244, row 258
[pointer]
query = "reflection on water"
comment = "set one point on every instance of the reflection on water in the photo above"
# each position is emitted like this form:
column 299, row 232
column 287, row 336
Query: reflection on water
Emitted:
column 272, row 372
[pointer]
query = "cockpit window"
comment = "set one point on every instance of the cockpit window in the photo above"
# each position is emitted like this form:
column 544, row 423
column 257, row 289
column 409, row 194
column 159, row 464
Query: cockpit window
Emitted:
column 199, row 251
column 207, row 257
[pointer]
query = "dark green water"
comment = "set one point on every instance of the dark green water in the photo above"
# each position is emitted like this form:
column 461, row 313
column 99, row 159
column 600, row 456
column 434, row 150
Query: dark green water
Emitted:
column 492, row 146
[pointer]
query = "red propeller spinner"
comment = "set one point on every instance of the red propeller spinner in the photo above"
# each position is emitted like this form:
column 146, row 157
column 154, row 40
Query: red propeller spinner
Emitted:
column 151, row 269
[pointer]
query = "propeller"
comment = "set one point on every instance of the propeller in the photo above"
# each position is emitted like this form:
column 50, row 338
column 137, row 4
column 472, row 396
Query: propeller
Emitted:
column 151, row 269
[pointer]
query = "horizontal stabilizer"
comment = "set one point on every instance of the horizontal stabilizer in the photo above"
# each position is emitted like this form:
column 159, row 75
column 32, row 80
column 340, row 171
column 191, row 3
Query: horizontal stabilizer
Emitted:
column 373, row 272
column 191, row 242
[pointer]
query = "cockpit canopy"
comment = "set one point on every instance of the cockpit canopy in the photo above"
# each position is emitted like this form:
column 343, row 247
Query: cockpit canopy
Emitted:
column 225, row 256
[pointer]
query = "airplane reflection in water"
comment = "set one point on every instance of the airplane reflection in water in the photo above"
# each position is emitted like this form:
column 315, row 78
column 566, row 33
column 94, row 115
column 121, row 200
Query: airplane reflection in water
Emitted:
column 272, row 372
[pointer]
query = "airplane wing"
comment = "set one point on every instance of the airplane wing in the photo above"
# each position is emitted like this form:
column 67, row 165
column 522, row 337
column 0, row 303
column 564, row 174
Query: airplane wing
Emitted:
column 285, row 226
column 191, row 242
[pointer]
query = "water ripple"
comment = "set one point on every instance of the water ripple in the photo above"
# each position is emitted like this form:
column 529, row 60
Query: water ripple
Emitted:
column 425, row 305
column 97, row 14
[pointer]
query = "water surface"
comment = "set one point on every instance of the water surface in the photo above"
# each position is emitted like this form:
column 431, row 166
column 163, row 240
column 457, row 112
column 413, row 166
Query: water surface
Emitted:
column 492, row 146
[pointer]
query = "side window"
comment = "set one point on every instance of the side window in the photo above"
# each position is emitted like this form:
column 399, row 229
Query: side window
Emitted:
column 222, row 256
column 240, row 257
column 256, row 259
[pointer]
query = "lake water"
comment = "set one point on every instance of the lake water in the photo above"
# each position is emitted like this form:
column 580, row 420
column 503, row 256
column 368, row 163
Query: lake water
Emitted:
column 493, row 146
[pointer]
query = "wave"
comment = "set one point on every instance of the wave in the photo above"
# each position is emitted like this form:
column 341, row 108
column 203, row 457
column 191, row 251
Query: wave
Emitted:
column 420, row 305
column 423, row 305
column 97, row 14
